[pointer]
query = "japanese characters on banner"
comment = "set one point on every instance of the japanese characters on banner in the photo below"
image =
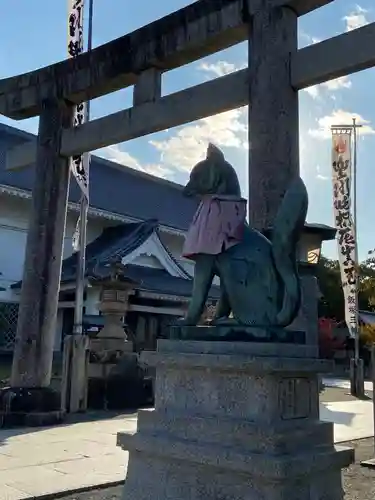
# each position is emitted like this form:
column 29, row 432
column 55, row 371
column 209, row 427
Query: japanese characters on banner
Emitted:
column 79, row 164
column 341, row 176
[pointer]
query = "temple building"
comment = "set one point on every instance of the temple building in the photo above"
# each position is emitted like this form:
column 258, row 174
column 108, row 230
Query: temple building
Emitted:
column 135, row 218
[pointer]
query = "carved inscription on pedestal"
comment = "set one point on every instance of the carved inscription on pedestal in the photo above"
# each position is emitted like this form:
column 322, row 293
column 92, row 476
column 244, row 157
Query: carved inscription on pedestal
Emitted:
column 294, row 398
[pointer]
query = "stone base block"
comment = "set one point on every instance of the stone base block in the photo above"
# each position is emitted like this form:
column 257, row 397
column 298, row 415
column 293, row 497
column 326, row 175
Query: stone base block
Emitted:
column 30, row 407
column 234, row 421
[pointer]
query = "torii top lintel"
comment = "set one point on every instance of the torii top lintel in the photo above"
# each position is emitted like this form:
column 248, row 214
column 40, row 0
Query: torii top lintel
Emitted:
column 195, row 31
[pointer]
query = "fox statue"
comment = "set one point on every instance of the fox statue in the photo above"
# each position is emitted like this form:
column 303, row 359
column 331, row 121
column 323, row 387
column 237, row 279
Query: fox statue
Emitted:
column 259, row 281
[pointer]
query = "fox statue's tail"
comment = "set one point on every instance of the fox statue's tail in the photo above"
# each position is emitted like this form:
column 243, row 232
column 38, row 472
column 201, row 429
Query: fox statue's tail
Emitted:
column 289, row 223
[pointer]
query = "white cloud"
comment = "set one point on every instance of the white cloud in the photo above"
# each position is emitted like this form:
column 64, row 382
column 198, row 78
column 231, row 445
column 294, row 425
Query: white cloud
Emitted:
column 116, row 154
column 308, row 39
column 339, row 83
column 188, row 145
column 307, row 168
column 221, row 68
column 331, row 86
column 339, row 117
column 313, row 91
column 357, row 18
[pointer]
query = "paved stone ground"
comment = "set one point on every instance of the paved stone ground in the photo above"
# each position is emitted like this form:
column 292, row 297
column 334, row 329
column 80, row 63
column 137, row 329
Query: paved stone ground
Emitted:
column 358, row 482
column 334, row 394
column 344, row 384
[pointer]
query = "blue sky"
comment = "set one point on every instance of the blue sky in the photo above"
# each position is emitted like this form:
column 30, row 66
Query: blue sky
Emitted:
column 35, row 35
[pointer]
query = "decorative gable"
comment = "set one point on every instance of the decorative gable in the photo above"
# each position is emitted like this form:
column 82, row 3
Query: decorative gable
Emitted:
column 152, row 253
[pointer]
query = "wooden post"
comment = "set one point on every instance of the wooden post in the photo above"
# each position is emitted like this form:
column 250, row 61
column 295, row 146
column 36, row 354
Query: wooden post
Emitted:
column 36, row 328
column 74, row 384
column 273, row 112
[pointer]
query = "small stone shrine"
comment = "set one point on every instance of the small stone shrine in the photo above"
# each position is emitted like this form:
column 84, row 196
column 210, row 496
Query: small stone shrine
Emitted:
column 237, row 402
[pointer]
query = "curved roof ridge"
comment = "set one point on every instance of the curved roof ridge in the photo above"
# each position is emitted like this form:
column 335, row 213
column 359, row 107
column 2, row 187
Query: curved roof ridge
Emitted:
column 173, row 258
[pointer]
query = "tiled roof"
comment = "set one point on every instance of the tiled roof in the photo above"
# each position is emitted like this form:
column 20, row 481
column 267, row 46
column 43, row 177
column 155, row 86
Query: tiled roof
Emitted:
column 114, row 188
column 114, row 242
column 118, row 242
column 160, row 281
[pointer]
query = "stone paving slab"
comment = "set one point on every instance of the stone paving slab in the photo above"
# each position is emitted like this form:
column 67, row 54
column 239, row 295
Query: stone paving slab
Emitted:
column 9, row 493
column 36, row 462
column 353, row 419
column 343, row 384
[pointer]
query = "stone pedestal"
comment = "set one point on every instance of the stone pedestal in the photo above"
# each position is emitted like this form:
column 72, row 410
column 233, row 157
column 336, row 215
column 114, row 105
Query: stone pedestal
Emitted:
column 113, row 374
column 234, row 421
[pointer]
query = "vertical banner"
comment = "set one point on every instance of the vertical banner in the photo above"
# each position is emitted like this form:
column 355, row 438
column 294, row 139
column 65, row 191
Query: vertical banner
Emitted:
column 341, row 177
column 79, row 165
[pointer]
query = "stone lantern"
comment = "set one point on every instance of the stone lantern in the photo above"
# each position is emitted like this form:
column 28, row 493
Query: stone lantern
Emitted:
column 309, row 253
column 114, row 301
column 310, row 244
column 308, row 256
column 113, row 366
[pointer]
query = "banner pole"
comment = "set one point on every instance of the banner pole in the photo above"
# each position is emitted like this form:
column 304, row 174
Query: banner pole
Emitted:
column 356, row 339
column 357, row 382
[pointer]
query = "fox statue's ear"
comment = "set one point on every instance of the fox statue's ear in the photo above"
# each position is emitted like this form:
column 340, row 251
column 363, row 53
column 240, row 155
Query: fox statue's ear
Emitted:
column 214, row 152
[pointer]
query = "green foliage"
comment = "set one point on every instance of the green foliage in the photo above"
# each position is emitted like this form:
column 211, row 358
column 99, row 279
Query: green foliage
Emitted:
column 332, row 303
column 367, row 279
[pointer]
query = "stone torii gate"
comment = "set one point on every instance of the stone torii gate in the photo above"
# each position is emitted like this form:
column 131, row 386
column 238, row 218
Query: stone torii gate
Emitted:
column 277, row 70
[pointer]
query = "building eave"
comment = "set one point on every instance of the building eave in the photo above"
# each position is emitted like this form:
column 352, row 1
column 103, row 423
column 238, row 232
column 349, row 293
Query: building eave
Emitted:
column 92, row 212
column 327, row 232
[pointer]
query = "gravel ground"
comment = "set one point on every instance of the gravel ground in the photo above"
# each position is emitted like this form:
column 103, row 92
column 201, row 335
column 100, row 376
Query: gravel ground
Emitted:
column 358, row 481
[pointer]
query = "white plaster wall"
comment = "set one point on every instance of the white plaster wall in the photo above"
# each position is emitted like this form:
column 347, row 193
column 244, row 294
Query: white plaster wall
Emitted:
column 13, row 234
column 147, row 261
column 94, row 229
column 175, row 244
column 92, row 301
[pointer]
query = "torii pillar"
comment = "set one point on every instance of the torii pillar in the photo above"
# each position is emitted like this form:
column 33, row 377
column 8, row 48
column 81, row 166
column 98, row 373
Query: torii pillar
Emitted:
column 273, row 112
column 274, row 133
column 36, row 327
